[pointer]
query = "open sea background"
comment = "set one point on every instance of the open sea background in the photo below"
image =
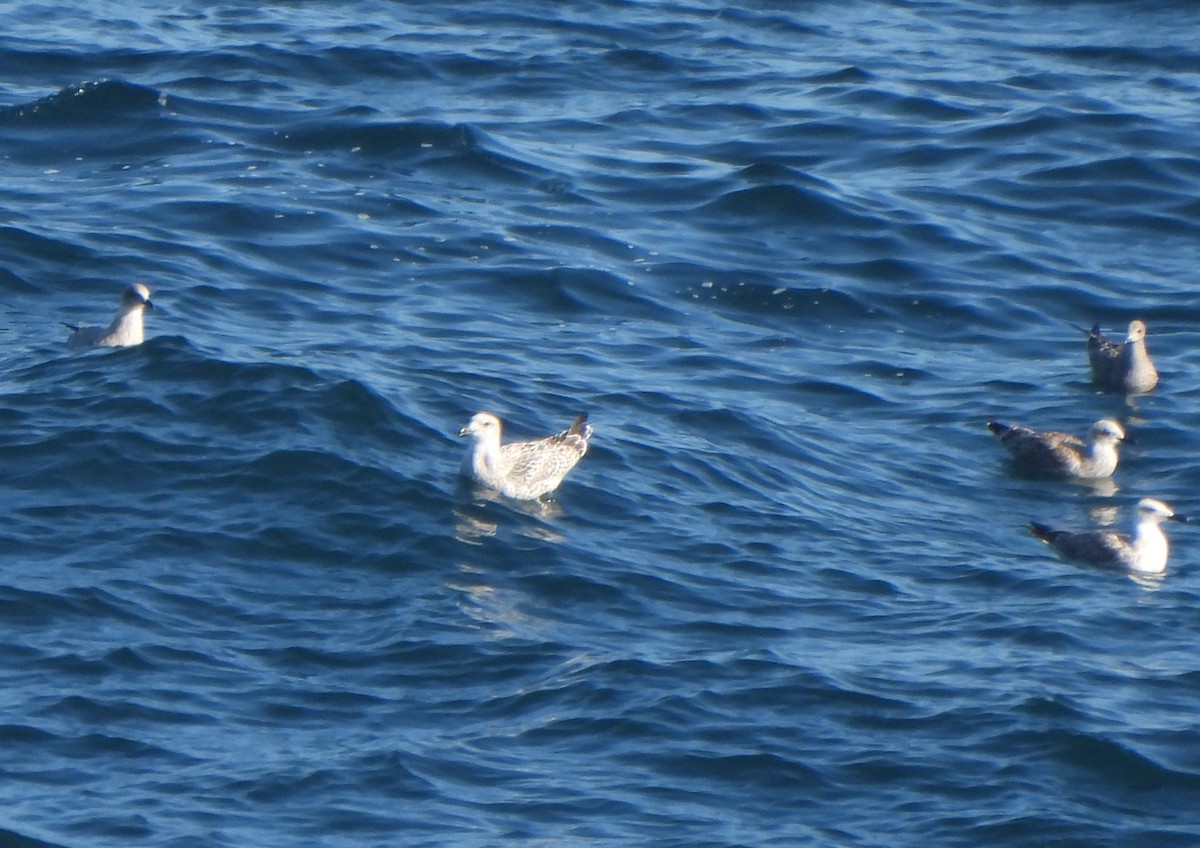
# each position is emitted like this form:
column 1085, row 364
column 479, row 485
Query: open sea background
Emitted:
column 790, row 256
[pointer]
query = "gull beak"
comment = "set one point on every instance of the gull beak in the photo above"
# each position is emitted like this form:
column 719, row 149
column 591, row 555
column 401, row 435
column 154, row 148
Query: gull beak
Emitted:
column 1182, row 519
column 464, row 432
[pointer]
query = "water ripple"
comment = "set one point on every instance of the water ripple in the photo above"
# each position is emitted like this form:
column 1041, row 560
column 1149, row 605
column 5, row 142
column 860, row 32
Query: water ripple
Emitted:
column 788, row 263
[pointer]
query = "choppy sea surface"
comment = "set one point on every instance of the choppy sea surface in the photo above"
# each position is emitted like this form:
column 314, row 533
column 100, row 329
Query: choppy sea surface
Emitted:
column 789, row 256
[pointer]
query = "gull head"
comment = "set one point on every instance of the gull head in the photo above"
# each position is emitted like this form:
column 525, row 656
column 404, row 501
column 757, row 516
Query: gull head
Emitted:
column 1107, row 430
column 483, row 426
column 1137, row 331
column 1150, row 509
column 136, row 296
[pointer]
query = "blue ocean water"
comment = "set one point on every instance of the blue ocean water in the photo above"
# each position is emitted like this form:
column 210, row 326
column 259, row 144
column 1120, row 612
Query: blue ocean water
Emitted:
column 789, row 256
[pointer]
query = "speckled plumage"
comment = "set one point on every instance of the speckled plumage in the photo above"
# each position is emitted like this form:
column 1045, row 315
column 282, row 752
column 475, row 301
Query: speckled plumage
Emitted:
column 1144, row 551
column 1122, row 367
column 1062, row 454
column 522, row 470
column 125, row 330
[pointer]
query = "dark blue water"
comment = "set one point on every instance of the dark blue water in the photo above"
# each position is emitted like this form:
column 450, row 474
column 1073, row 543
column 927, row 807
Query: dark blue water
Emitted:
column 789, row 256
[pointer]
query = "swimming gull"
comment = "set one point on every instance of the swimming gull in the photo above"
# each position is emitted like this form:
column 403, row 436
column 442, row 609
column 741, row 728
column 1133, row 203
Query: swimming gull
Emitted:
column 1062, row 454
column 126, row 329
column 522, row 470
column 1122, row 367
column 1144, row 551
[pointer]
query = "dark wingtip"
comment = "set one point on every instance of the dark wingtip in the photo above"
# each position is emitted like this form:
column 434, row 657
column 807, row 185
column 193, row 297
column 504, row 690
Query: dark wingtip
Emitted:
column 1041, row 531
column 998, row 428
column 578, row 425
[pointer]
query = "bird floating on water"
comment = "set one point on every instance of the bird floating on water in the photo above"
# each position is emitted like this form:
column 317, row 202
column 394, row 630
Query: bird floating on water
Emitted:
column 1062, row 454
column 125, row 330
column 1122, row 366
column 1144, row 551
column 522, row 470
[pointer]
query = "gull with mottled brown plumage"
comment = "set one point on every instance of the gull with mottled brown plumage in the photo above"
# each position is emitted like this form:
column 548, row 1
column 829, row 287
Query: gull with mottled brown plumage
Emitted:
column 1122, row 366
column 521, row 470
column 1058, row 454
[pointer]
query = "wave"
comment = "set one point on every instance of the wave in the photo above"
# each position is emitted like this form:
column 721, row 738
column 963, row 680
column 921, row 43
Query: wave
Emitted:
column 98, row 103
column 18, row 840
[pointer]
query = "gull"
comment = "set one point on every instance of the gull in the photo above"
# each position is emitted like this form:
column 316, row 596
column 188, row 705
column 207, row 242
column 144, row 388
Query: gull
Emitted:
column 1122, row 367
column 126, row 329
column 1062, row 454
column 1144, row 551
column 522, row 470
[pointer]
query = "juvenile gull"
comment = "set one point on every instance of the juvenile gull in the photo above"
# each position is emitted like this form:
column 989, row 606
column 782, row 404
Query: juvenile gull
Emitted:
column 522, row 470
column 1061, row 454
column 1122, row 367
column 126, row 329
column 1144, row 551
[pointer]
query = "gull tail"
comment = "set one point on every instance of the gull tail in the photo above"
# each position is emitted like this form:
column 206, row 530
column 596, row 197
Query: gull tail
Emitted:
column 1097, row 338
column 580, row 427
column 1043, row 532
